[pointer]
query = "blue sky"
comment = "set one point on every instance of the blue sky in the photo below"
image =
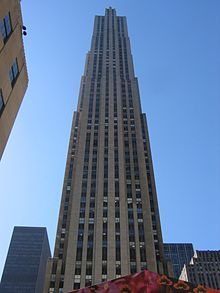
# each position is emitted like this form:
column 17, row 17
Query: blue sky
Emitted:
column 175, row 46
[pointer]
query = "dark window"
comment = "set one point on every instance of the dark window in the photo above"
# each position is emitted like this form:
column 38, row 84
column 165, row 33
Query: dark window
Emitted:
column 6, row 27
column 89, row 253
column 78, row 269
column 118, row 253
column 79, row 254
column 1, row 102
column 132, row 254
column 104, row 269
column 104, row 253
column 105, row 213
column 88, row 282
column 89, row 269
column 133, row 267
column 13, row 73
column 143, row 254
column 118, row 269
column 76, row 286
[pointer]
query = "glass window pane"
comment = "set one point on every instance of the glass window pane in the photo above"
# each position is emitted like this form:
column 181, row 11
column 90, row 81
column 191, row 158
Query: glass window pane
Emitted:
column 15, row 68
column 1, row 101
column 3, row 31
column 11, row 75
column 8, row 24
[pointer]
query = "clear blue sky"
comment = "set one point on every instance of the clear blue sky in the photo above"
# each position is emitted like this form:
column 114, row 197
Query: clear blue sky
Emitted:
column 176, row 50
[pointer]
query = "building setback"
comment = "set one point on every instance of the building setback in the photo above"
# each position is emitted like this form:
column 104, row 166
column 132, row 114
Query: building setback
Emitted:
column 179, row 254
column 204, row 268
column 13, row 71
column 26, row 261
column 109, row 222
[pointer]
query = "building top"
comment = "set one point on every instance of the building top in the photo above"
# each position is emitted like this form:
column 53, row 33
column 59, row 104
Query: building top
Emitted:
column 206, row 256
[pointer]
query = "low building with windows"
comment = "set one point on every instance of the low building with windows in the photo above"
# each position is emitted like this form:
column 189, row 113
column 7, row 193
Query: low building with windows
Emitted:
column 204, row 268
column 13, row 70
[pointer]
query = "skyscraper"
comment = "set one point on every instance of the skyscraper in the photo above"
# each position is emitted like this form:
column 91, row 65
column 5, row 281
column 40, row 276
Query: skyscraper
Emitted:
column 109, row 222
column 13, row 70
column 179, row 254
column 26, row 261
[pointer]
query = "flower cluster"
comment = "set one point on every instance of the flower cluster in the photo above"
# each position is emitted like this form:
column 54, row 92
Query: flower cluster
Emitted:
column 146, row 282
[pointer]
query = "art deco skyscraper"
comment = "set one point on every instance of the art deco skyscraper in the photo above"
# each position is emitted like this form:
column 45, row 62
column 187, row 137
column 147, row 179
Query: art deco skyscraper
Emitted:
column 109, row 221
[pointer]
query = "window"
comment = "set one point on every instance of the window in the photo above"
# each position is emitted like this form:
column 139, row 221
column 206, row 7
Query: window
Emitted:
column 1, row 102
column 133, row 267
column 89, row 253
column 104, row 268
column 79, row 254
column 6, row 27
column 13, row 73
column 132, row 254
column 76, row 285
column 118, row 269
column 104, row 253
column 89, row 268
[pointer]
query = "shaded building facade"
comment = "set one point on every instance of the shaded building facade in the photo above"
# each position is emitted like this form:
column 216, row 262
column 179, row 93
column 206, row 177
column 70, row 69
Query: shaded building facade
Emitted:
column 13, row 71
column 179, row 254
column 25, row 265
column 204, row 268
column 109, row 222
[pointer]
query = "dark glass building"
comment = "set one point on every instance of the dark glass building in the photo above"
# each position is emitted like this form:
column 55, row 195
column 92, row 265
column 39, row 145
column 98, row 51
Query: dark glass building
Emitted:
column 204, row 268
column 25, row 264
column 179, row 254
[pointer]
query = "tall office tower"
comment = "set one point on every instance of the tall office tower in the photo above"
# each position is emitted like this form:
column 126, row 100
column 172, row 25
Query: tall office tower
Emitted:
column 26, row 261
column 109, row 221
column 203, row 268
column 179, row 254
column 13, row 71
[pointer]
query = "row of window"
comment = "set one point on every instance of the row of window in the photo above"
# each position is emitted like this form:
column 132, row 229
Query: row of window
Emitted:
column 131, row 148
column 117, row 190
column 6, row 30
column 105, row 181
column 90, row 239
column 13, row 74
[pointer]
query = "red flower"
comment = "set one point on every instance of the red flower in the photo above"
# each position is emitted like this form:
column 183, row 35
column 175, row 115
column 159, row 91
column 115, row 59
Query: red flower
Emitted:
column 200, row 289
column 181, row 285
column 163, row 280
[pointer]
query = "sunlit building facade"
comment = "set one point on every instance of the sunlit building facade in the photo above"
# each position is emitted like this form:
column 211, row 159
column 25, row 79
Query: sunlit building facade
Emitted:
column 13, row 70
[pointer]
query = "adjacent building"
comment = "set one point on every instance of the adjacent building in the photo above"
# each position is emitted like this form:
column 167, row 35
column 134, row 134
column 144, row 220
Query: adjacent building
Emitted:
column 25, row 264
column 179, row 254
column 109, row 222
column 13, row 71
column 204, row 268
